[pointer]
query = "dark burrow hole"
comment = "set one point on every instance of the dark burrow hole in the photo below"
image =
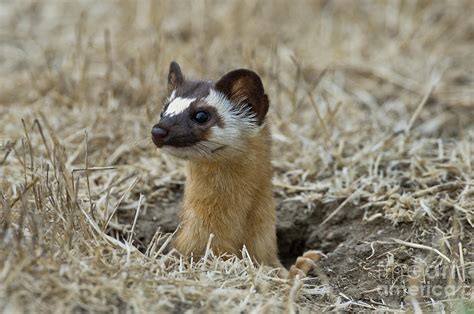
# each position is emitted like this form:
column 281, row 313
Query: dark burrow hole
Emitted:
column 298, row 228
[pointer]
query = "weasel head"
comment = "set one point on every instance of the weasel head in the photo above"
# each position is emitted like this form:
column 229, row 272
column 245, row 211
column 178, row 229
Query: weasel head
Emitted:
column 210, row 120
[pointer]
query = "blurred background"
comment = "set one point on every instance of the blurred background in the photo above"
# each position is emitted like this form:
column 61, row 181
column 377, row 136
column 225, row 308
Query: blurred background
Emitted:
column 372, row 114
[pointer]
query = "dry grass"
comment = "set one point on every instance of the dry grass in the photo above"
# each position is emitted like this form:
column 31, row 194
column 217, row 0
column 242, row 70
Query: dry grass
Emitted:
column 372, row 106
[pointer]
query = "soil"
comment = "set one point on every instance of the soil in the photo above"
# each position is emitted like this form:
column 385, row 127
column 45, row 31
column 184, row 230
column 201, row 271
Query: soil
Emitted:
column 358, row 251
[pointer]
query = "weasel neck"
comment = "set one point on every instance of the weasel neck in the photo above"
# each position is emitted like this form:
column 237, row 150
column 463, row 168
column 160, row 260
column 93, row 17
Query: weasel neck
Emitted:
column 232, row 183
column 233, row 200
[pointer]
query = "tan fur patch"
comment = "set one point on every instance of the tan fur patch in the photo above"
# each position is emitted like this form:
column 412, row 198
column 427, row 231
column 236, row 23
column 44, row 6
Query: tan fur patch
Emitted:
column 232, row 200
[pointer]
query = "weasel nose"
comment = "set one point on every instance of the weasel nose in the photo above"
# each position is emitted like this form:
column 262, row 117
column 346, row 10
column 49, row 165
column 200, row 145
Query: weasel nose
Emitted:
column 159, row 132
column 158, row 135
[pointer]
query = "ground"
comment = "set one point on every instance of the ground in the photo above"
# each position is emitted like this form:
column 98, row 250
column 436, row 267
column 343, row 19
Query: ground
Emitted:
column 372, row 116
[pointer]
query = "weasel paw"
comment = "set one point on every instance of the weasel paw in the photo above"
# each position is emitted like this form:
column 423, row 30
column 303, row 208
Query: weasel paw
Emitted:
column 305, row 264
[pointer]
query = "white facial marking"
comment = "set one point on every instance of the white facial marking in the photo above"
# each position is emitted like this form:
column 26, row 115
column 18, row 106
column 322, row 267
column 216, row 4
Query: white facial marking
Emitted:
column 178, row 105
column 238, row 123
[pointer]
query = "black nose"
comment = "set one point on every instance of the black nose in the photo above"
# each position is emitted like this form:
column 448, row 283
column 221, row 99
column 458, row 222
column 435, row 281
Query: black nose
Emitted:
column 158, row 135
column 159, row 132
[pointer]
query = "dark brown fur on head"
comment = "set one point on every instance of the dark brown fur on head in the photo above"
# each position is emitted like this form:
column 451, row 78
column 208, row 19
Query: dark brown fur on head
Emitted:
column 233, row 107
column 175, row 76
column 245, row 87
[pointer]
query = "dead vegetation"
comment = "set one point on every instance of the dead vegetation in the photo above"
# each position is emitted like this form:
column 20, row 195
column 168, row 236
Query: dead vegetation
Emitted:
column 372, row 106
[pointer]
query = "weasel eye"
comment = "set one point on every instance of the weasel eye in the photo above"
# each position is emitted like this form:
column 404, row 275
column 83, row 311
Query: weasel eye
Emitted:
column 201, row 117
column 162, row 114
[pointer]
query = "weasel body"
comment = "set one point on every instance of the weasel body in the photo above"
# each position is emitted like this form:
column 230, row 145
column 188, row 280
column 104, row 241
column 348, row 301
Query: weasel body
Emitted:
column 220, row 129
column 233, row 201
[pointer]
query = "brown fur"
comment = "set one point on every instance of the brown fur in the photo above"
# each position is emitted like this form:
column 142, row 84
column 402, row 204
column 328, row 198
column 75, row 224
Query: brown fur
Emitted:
column 245, row 87
column 231, row 199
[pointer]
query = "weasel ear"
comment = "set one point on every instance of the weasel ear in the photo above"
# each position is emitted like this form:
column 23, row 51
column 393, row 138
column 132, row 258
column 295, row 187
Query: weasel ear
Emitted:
column 175, row 77
column 244, row 87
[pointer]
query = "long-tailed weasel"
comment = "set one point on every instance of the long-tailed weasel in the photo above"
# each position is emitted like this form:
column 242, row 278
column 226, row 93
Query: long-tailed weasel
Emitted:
column 220, row 128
